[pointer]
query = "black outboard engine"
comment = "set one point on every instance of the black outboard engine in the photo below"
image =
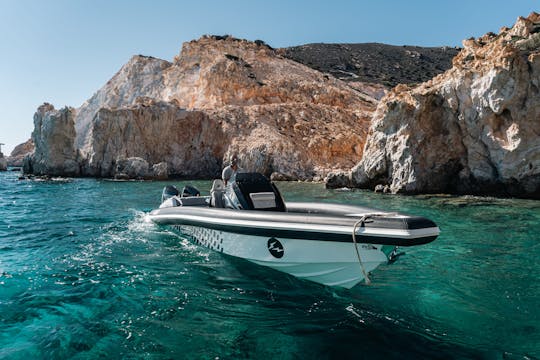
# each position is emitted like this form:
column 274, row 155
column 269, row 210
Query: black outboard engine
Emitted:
column 168, row 192
column 189, row 190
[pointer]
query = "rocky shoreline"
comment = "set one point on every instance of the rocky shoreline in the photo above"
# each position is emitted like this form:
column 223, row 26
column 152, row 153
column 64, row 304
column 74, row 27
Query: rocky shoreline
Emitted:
column 472, row 129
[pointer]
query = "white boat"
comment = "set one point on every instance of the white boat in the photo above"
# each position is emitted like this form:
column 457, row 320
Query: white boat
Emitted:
column 331, row 244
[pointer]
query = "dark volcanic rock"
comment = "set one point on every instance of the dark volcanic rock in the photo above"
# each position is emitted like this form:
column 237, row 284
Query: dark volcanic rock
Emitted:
column 374, row 63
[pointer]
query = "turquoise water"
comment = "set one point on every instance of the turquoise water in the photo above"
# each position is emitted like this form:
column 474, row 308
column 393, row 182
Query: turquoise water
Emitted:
column 83, row 275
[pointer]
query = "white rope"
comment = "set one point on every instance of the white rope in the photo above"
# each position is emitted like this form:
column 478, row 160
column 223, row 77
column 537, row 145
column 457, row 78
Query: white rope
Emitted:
column 361, row 221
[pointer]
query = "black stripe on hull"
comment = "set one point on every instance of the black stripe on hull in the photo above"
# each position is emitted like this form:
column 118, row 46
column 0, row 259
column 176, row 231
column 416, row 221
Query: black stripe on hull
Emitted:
column 302, row 235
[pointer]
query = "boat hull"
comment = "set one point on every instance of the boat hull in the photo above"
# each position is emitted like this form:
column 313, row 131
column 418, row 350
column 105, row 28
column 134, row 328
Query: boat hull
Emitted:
column 370, row 227
column 331, row 244
column 325, row 262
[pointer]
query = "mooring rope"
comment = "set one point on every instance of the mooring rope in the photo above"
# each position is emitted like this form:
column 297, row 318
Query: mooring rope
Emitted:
column 361, row 221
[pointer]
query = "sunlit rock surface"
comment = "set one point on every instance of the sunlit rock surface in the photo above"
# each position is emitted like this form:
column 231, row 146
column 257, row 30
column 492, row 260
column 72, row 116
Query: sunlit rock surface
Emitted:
column 219, row 96
column 473, row 129
column 20, row 152
column 53, row 136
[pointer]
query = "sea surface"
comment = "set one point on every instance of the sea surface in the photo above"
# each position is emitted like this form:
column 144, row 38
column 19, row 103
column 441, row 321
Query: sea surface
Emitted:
column 84, row 275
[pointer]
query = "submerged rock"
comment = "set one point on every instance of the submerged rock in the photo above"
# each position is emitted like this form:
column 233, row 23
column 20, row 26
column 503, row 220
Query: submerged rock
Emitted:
column 473, row 129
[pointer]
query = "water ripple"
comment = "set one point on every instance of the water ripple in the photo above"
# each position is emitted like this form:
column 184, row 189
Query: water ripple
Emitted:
column 84, row 274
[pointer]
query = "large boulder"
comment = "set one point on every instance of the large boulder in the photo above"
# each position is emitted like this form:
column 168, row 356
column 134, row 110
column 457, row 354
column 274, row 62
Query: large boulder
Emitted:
column 473, row 129
column 53, row 136
column 160, row 171
column 133, row 168
column 336, row 180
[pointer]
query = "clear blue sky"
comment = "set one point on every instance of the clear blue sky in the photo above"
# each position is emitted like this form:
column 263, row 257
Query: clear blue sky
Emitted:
column 63, row 51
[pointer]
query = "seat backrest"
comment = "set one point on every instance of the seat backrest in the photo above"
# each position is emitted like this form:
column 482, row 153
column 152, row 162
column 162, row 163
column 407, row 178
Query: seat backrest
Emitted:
column 216, row 194
column 216, row 200
column 255, row 191
column 218, row 185
column 263, row 200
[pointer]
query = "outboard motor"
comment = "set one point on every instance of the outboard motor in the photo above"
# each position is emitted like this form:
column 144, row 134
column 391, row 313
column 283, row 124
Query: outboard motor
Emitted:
column 189, row 190
column 168, row 192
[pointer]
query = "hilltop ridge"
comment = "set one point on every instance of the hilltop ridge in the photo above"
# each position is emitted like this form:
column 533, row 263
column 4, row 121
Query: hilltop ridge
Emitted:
column 388, row 65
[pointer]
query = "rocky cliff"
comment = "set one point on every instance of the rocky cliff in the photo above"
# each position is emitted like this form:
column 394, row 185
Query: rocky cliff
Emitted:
column 473, row 129
column 19, row 153
column 53, row 136
column 219, row 96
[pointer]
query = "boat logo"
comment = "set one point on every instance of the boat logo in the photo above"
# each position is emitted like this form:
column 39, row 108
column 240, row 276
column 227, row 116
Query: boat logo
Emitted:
column 275, row 248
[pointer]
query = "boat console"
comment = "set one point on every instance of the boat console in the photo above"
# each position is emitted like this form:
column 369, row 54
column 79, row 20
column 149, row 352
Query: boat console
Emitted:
column 254, row 191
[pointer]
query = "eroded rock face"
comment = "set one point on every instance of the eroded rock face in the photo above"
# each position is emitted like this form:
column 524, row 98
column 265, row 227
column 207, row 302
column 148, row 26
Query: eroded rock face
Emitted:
column 189, row 142
column 218, row 97
column 20, row 152
column 473, row 129
column 141, row 76
column 212, row 72
column 53, row 136
column 297, row 141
